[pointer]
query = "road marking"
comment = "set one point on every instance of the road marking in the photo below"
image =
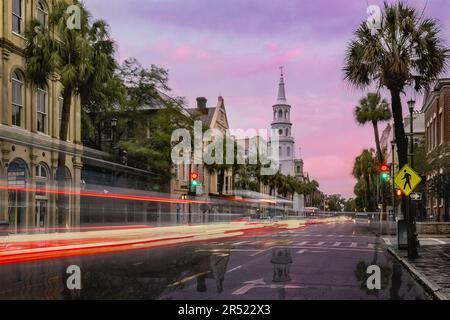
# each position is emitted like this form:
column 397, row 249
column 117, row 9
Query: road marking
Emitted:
column 439, row 241
column 302, row 243
column 337, row 244
column 341, row 236
column 239, row 243
column 260, row 283
column 387, row 241
column 302, row 251
column 371, row 246
column 320, row 243
column 259, row 252
column 353, row 245
column 237, row 268
column 188, row 279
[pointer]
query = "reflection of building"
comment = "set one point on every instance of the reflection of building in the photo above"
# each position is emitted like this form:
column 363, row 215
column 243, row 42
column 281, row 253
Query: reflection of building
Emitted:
column 29, row 131
column 437, row 131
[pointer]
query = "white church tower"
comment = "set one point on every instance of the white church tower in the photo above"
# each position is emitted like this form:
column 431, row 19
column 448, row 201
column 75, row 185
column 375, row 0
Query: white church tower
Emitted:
column 282, row 124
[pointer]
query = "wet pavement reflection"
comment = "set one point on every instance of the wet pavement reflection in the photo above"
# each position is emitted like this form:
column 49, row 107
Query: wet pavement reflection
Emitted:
column 279, row 266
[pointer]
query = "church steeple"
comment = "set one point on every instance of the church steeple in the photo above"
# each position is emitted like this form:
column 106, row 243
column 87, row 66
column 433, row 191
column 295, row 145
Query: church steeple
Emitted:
column 281, row 89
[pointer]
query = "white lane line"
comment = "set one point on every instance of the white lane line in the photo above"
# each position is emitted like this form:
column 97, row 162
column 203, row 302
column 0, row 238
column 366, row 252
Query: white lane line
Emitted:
column 239, row 243
column 341, row 236
column 259, row 252
column 353, row 245
column 302, row 251
column 237, row 268
column 337, row 244
column 387, row 241
column 320, row 243
column 439, row 241
column 302, row 243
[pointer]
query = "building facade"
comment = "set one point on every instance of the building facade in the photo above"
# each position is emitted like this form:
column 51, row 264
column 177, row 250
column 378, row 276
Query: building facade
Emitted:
column 437, row 132
column 29, row 133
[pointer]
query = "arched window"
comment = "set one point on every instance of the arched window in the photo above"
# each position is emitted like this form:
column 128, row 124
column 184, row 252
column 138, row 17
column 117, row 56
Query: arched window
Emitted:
column 280, row 114
column 17, row 197
column 280, row 151
column 287, row 132
column 286, row 114
column 288, row 152
column 17, row 16
column 17, row 98
column 42, row 12
column 42, row 110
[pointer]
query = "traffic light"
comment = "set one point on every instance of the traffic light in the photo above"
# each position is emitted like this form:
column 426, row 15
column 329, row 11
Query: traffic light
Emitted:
column 398, row 193
column 385, row 172
column 194, row 179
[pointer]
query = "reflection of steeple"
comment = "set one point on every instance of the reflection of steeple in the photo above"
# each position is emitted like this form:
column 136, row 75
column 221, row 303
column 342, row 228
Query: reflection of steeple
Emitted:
column 281, row 89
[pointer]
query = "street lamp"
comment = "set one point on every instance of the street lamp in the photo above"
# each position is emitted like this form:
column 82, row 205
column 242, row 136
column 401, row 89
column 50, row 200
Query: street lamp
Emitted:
column 411, row 105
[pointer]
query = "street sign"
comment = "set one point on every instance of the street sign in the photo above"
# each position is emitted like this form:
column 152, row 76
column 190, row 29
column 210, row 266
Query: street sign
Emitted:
column 407, row 180
column 416, row 196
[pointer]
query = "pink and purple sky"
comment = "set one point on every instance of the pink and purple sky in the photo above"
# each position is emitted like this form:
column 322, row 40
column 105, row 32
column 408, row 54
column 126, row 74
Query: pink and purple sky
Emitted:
column 234, row 48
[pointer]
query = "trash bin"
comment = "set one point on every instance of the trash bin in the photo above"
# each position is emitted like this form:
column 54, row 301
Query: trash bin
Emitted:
column 402, row 235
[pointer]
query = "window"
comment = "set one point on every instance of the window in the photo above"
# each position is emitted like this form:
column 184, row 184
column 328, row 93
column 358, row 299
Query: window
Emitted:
column 41, row 110
column 288, row 151
column 41, row 180
column 42, row 13
column 280, row 114
column 17, row 16
column 287, row 132
column 17, row 98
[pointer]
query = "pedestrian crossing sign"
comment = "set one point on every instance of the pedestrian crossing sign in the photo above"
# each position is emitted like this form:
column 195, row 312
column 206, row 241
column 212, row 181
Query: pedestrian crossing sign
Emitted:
column 407, row 180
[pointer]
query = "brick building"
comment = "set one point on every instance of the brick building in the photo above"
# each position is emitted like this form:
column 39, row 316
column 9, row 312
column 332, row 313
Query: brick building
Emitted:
column 437, row 131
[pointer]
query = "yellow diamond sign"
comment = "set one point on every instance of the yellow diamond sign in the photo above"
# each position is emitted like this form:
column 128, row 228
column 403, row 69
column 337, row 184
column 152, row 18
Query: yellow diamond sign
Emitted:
column 407, row 180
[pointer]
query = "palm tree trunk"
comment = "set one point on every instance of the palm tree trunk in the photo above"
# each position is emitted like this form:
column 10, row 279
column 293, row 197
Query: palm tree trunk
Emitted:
column 64, row 126
column 402, row 150
column 380, row 160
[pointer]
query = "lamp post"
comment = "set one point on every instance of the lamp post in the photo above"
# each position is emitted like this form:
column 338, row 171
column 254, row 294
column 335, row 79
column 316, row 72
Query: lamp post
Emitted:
column 393, row 143
column 412, row 235
column 113, row 132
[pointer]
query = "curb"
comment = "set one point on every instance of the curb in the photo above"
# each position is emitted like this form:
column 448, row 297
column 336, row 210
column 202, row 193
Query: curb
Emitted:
column 429, row 286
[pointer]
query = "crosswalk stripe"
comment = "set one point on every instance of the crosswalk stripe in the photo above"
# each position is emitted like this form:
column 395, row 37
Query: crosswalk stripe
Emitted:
column 353, row 245
column 320, row 243
column 239, row 243
column 337, row 244
column 302, row 243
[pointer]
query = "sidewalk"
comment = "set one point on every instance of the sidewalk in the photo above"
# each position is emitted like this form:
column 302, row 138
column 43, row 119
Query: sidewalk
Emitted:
column 432, row 269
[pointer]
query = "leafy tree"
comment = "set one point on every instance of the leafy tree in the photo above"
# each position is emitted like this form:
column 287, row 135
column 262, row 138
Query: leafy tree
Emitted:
column 82, row 58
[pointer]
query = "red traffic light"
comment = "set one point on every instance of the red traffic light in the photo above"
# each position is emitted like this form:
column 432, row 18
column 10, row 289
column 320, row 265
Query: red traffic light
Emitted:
column 194, row 176
column 385, row 168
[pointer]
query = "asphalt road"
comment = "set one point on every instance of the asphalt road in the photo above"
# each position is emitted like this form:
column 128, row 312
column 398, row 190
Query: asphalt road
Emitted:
column 320, row 262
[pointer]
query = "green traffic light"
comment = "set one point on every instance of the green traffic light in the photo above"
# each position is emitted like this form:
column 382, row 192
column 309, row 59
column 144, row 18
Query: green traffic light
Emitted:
column 385, row 176
column 194, row 183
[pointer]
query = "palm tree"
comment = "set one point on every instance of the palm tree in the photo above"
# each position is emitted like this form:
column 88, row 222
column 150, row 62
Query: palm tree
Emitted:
column 81, row 58
column 406, row 51
column 365, row 170
column 372, row 109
